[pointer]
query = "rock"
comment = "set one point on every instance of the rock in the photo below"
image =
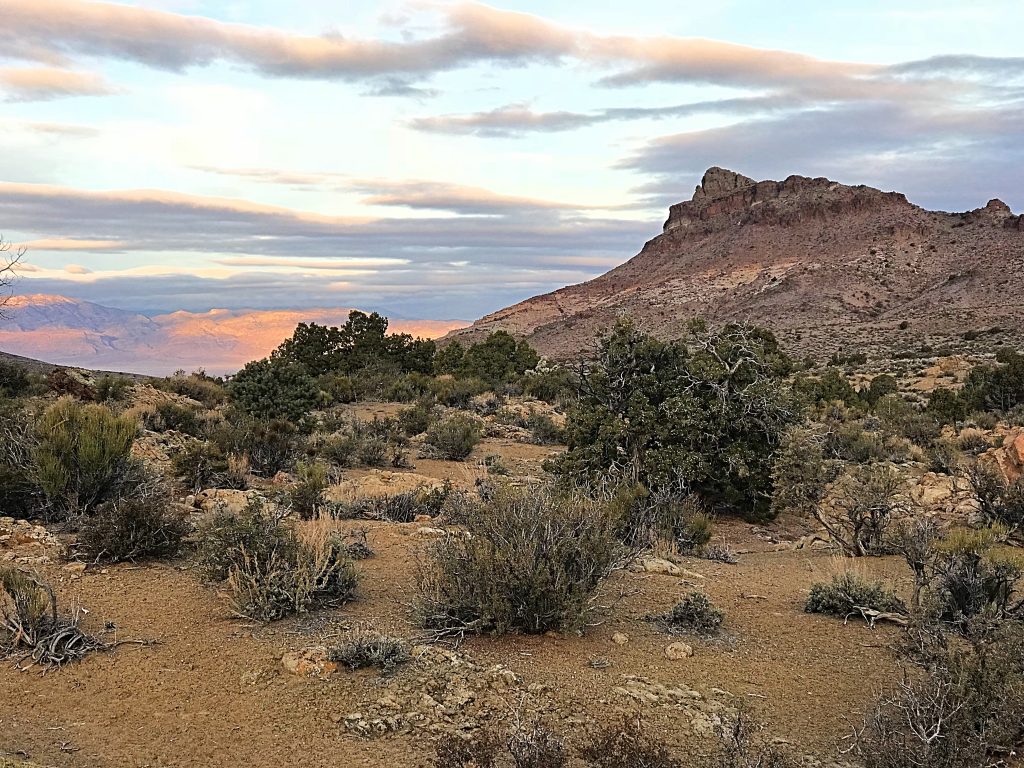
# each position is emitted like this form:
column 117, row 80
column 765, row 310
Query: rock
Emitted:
column 227, row 499
column 428, row 531
column 657, row 565
column 75, row 567
column 309, row 662
column 620, row 639
column 678, row 650
column 380, row 483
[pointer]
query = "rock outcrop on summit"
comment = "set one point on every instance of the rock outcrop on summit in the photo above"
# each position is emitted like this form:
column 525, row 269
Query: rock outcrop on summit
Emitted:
column 829, row 267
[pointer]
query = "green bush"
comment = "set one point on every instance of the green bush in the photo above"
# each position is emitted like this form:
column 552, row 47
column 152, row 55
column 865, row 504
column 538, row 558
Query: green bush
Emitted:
column 454, row 438
column 274, row 389
column 848, row 592
column 694, row 613
column 544, row 429
column 108, row 388
column 19, row 491
column 14, row 379
column 416, row 419
column 270, row 446
column 139, row 525
column 81, row 453
column 168, row 416
column 306, row 497
column 660, row 413
column 531, row 562
column 801, row 473
column 549, row 384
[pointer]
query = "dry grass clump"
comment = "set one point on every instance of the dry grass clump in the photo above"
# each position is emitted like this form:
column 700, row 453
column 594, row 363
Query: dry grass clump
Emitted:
column 31, row 628
column 531, row 561
column 272, row 569
column 628, row 746
column 364, row 648
column 694, row 613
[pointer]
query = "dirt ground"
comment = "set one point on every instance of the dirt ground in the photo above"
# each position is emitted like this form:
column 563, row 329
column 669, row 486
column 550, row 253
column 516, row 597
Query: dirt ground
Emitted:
column 212, row 691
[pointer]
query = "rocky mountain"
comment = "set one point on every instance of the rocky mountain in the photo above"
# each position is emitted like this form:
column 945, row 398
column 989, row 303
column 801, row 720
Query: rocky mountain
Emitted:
column 830, row 267
column 72, row 332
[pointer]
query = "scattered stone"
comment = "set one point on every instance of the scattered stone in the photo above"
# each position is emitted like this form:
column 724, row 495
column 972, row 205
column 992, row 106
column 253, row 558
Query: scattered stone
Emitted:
column 309, row 662
column 678, row 650
column 619, row 638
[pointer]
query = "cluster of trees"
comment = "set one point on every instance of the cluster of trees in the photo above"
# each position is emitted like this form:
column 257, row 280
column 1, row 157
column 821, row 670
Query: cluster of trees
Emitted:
column 319, row 364
column 996, row 387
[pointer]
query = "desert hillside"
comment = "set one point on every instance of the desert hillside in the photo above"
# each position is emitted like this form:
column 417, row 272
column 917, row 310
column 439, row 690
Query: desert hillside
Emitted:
column 825, row 265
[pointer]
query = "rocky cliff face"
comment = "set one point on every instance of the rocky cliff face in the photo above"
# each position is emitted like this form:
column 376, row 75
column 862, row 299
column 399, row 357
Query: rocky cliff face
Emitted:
column 830, row 267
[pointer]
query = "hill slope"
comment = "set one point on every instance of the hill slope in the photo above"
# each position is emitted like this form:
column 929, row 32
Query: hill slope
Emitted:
column 829, row 267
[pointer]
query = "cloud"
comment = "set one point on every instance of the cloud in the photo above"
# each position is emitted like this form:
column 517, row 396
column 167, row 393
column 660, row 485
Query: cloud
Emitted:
column 207, row 250
column 469, row 33
column 46, row 83
column 69, row 244
column 518, row 119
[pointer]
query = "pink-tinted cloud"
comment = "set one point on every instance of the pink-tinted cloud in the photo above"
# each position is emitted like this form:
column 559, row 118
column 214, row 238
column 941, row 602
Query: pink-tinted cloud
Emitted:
column 45, row 83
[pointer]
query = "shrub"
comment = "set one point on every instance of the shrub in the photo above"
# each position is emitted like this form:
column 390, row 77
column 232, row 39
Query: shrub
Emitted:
column 967, row 576
column 848, row 593
column 197, row 386
column 274, row 389
column 965, row 711
column 742, row 747
column 416, row 419
column 531, row 562
column 14, row 380
column 81, row 454
column 139, row 525
column 694, row 613
column 200, row 465
column 340, row 450
column 273, row 572
column 865, row 503
column 454, row 438
column 372, row 451
column 544, row 429
column 801, row 473
column 108, row 388
column 31, row 626
column 168, row 416
column 477, row 751
column 306, row 497
column 19, row 492
column 1000, row 502
column 628, row 746
column 537, row 747
column 224, row 534
column 369, row 649
column 659, row 413
column 549, row 384
column 270, row 446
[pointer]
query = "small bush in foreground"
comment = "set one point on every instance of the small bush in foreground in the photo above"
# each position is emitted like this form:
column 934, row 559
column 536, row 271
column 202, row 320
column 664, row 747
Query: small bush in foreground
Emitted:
column 477, row 751
column 32, row 628
column 694, row 613
column 537, row 747
column 628, row 746
column 370, row 649
column 417, row 418
column 966, row 711
column 136, row 526
column 271, row 570
column 531, row 562
column 848, row 592
column 306, row 497
column 454, row 438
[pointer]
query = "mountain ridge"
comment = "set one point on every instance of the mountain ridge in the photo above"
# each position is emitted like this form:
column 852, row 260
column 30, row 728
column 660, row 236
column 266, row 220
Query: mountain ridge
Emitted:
column 828, row 266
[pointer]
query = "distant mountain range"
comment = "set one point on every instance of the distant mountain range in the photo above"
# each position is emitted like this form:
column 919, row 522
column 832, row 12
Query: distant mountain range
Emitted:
column 831, row 268
column 68, row 331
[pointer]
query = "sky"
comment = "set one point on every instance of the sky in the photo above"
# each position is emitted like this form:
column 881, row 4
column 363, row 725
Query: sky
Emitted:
column 445, row 159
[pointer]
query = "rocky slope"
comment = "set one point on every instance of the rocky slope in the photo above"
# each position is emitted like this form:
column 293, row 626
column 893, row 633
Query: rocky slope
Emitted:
column 830, row 267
